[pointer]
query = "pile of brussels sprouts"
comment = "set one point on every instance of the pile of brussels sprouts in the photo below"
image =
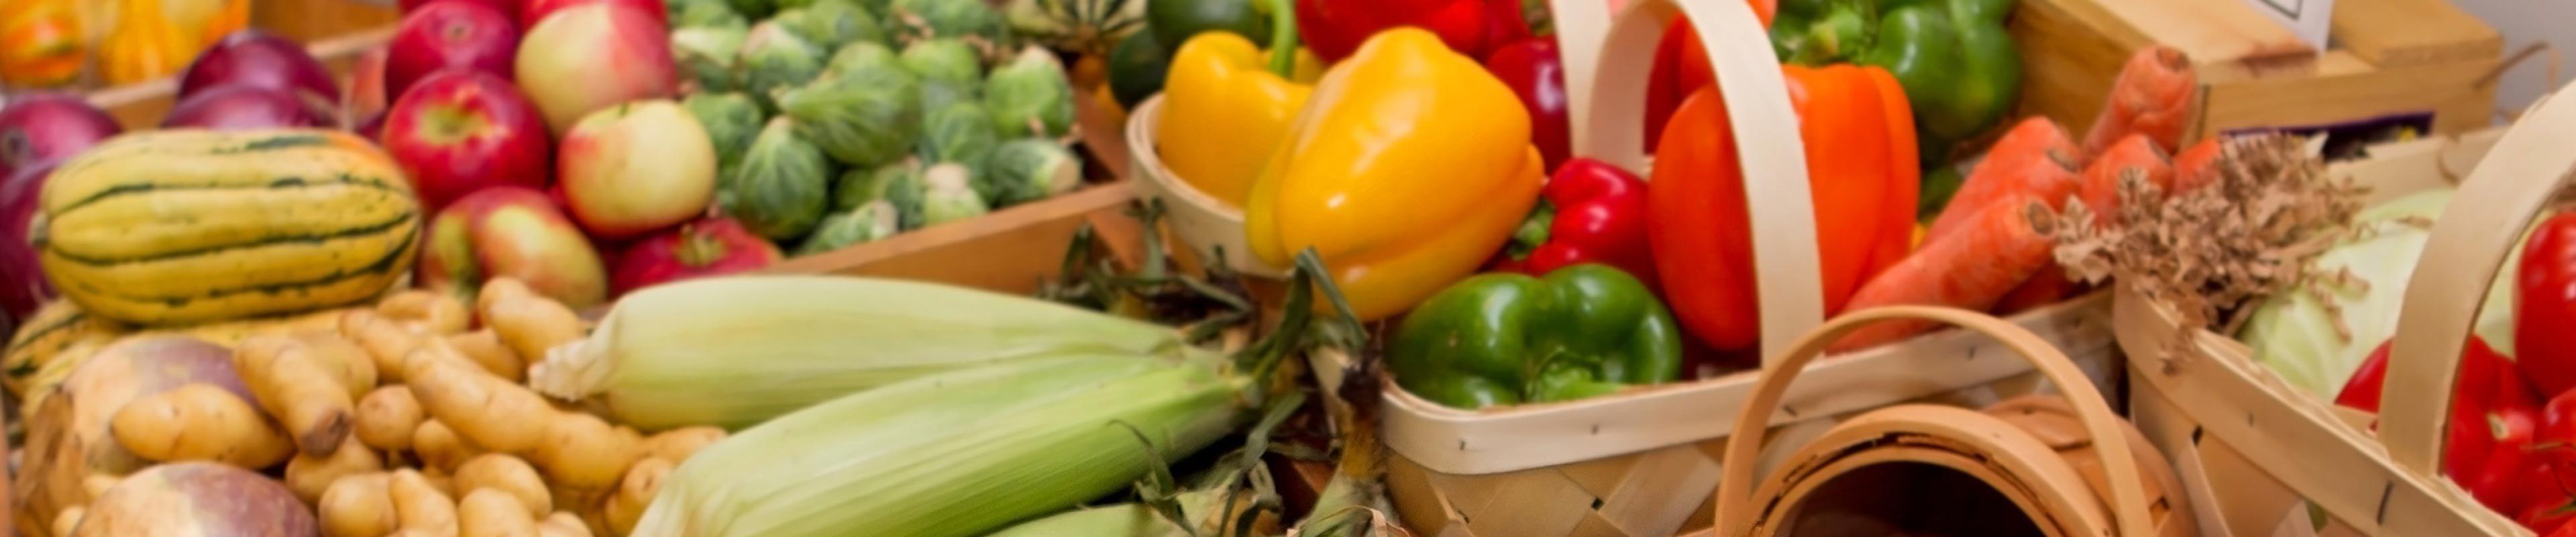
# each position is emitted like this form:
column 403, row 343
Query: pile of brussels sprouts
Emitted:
column 844, row 121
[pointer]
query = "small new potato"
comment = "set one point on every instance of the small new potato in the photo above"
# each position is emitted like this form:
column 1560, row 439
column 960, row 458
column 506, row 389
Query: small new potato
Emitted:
column 385, row 340
column 677, row 445
column 440, row 448
column 310, row 476
column 359, row 506
column 200, row 422
column 493, row 513
column 501, row 472
column 387, row 417
column 437, row 313
column 484, row 347
column 530, row 325
column 563, row 524
column 418, row 505
column 634, row 493
column 292, row 382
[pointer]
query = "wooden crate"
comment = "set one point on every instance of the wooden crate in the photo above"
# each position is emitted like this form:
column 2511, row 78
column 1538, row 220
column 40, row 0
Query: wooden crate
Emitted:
column 316, row 21
column 2392, row 58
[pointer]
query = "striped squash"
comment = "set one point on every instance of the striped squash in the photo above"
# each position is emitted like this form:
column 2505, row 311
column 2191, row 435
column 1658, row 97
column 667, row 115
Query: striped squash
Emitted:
column 184, row 227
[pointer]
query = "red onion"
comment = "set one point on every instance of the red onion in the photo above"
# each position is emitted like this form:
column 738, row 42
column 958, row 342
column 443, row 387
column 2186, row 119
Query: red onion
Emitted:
column 48, row 126
column 251, row 58
column 241, row 107
column 22, row 282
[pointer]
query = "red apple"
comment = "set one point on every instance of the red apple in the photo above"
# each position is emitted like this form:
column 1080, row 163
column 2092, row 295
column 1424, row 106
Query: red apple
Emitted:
column 506, row 7
column 450, row 34
column 592, row 56
column 708, row 247
column 514, row 232
column 459, row 131
column 637, row 167
column 537, row 10
column 367, row 95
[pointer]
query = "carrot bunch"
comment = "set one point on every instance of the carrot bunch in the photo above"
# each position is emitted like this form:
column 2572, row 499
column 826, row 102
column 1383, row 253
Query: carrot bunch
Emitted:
column 1982, row 253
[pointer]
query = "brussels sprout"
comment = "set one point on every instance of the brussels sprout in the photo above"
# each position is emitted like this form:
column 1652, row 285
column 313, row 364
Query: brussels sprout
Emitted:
column 707, row 54
column 948, row 195
column 872, row 221
column 774, row 59
column 780, row 189
column 731, row 119
column 1029, row 169
column 832, row 24
column 862, row 116
column 753, row 9
column 960, row 132
column 704, row 14
column 866, row 58
column 937, row 94
column 1030, row 95
column 858, row 187
column 944, row 59
column 950, row 18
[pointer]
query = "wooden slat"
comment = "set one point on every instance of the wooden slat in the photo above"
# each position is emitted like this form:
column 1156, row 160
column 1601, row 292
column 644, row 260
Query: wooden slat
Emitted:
column 2346, row 88
column 2398, row 33
column 321, row 20
column 2211, row 31
column 1010, row 250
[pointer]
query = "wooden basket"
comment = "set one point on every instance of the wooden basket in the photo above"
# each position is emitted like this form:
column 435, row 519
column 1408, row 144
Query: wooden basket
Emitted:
column 2202, row 397
column 2051, row 465
column 1645, row 462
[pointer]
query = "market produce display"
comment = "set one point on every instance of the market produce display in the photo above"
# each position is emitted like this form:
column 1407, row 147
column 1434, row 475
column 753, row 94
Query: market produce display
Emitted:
column 51, row 43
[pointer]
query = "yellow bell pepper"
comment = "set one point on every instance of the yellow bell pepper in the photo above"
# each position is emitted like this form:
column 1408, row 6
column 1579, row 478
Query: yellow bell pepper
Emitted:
column 1224, row 112
column 1409, row 168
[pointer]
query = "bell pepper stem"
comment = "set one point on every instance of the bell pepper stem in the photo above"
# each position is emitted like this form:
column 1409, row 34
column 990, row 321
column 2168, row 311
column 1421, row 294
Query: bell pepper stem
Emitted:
column 1283, row 38
column 1533, row 231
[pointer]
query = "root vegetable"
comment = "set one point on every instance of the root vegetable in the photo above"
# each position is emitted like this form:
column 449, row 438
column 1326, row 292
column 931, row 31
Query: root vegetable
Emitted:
column 196, row 498
column 69, row 521
column 310, row 476
column 385, row 340
column 563, row 524
column 2152, row 96
column 419, row 505
column 634, row 493
column 387, row 417
column 493, row 513
column 344, row 358
column 495, row 471
column 68, row 437
column 485, row 349
column 1971, row 269
column 585, row 453
column 677, row 445
column 496, row 289
column 530, row 325
column 491, row 412
column 359, row 506
column 288, row 379
column 2134, row 156
column 435, row 312
column 200, row 422
column 439, row 447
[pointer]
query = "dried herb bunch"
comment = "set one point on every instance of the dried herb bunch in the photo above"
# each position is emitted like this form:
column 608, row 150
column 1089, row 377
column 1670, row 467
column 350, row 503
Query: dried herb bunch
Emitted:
column 2210, row 251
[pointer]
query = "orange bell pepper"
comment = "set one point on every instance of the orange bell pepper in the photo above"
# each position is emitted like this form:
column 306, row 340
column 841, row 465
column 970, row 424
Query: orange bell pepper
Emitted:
column 1859, row 134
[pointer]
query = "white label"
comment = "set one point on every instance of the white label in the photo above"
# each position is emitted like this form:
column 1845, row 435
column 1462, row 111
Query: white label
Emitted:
column 2310, row 19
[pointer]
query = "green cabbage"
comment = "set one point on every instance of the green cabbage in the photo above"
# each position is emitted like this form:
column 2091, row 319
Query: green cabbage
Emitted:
column 832, row 24
column 1027, row 170
column 950, row 195
column 781, row 188
column 945, row 60
column 869, row 222
column 960, row 132
column 2294, row 335
column 862, row 112
column 774, row 59
column 708, row 54
column 1028, row 93
column 964, row 19
column 731, row 120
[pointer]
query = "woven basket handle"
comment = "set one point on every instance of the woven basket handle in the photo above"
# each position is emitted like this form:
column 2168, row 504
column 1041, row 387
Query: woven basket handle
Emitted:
column 1736, row 506
column 1609, row 114
column 2482, row 226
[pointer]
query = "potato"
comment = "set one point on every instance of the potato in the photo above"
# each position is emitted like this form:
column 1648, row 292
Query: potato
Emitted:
column 634, row 493
column 505, row 473
column 419, row 505
column 585, row 453
column 484, row 347
column 435, row 312
column 493, row 513
column 69, row 521
column 387, row 417
column 563, row 524
column 297, row 384
column 196, row 498
column 677, row 445
column 440, row 448
column 359, row 506
column 344, row 358
column 385, row 340
column 200, row 422
column 68, row 434
column 530, row 325
column 309, row 477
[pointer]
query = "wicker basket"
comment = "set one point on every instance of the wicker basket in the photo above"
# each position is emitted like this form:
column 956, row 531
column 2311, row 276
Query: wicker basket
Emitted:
column 2033, row 465
column 1645, row 462
column 2202, row 397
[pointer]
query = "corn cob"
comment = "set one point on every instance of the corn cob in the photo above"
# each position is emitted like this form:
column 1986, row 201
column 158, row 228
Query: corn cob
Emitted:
column 956, row 454
column 1200, row 508
column 737, row 351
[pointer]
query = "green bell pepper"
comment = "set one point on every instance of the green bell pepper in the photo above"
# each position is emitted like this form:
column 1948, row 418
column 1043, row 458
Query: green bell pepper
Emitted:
column 1957, row 62
column 1502, row 338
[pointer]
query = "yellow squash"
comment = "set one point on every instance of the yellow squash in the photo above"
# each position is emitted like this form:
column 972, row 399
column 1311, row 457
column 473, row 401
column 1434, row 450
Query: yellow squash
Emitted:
column 1406, row 171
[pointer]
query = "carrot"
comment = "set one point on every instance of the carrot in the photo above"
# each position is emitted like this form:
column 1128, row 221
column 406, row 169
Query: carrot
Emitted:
column 2132, row 155
column 2034, row 158
column 1970, row 270
column 2047, row 287
column 2152, row 96
column 2196, row 166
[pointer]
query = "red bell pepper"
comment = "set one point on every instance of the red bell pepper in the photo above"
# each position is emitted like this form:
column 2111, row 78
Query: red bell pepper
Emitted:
column 2545, row 306
column 1534, row 69
column 1334, row 29
column 1681, row 67
column 1861, row 174
column 2494, row 420
column 1591, row 212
